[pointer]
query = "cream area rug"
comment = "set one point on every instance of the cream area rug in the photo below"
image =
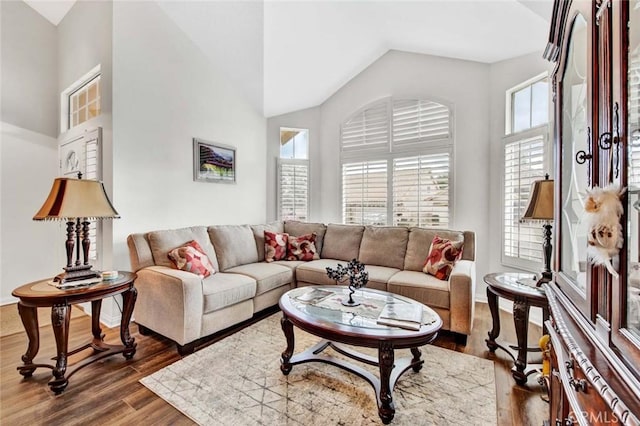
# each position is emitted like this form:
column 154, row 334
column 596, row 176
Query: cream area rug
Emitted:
column 237, row 381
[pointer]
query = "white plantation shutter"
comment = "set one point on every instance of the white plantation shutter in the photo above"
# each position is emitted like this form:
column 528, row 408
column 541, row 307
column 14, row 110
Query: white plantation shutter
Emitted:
column 368, row 130
column 523, row 164
column 293, row 192
column 396, row 158
column 364, row 192
column 421, row 190
column 92, row 171
column 416, row 122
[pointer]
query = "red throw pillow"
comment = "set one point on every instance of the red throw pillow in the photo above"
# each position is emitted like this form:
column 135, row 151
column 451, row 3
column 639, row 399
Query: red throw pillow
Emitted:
column 275, row 246
column 443, row 254
column 191, row 258
column 302, row 248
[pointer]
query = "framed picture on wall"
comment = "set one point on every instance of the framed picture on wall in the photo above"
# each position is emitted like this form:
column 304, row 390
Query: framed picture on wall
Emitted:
column 213, row 162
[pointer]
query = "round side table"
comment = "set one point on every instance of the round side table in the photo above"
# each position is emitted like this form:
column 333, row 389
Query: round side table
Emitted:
column 42, row 294
column 521, row 289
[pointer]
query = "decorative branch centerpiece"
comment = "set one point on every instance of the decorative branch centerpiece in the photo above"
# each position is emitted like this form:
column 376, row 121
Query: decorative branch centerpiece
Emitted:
column 355, row 273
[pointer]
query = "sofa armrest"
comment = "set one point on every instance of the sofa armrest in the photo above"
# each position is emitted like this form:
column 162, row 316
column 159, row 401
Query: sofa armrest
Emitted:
column 170, row 302
column 462, row 287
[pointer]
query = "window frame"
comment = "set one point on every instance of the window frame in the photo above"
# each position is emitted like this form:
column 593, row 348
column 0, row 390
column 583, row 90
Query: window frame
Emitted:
column 538, row 131
column 510, row 137
column 436, row 146
column 294, row 161
column 65, row 98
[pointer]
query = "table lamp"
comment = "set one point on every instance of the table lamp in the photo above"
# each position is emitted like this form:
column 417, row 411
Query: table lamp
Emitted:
column 540, row 208
column 76, row 201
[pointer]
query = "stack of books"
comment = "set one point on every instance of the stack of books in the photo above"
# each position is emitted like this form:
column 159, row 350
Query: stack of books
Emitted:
column 403, row 315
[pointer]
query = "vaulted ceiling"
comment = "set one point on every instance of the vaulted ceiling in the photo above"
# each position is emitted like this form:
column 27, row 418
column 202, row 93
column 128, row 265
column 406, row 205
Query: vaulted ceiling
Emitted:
column 290, row 55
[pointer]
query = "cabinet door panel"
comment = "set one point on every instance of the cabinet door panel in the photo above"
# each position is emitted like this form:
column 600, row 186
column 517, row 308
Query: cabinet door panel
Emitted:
column 576, row 157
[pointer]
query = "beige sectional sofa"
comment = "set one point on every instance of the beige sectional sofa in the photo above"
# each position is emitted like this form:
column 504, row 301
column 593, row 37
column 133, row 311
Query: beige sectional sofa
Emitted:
column 187, row 309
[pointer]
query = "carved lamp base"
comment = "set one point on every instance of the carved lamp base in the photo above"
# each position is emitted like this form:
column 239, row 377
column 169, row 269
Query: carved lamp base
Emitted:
column 76, row 273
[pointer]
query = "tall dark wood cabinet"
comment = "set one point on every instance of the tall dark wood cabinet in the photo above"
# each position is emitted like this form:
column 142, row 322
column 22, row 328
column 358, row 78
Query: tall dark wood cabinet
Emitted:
column 595, row 315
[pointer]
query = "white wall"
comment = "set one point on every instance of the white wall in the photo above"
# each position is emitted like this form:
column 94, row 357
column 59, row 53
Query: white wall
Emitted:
column 28, row 150
column 305, row 119
column 30, row 250
column 29, row 72
column 165, row 93
column 462, row 84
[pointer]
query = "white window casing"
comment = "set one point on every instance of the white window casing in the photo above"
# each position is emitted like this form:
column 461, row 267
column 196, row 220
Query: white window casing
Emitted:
column 525, row 161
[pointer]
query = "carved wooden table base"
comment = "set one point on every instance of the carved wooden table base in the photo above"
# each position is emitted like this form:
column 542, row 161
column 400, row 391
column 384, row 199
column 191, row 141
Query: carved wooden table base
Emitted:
column 37, row 294
column 390, row 368
column 522, row 302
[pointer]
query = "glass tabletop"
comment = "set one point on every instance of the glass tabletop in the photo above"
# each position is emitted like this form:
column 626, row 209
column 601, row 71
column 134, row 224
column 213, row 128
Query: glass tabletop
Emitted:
column 325, row 304
column 523, row 283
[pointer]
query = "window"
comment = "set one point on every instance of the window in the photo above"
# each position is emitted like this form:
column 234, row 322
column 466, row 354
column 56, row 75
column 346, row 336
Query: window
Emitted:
column 81, row 101
column 525, row 160
column 84, row 103
column 421, row 191
column 293, row 174
column 396, row 156
column 364, row 193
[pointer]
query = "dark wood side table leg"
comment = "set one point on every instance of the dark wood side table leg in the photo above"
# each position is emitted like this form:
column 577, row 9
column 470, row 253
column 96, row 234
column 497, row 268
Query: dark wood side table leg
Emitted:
column 60, row 315
column 521, row 321
column 96, row 330
column 492, row 298
column 287, row 328
column 128, row 302
column 386, row 410
column 29, row 317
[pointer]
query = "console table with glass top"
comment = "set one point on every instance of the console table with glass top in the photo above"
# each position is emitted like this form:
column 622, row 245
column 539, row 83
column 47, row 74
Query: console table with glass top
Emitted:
column 356, row 326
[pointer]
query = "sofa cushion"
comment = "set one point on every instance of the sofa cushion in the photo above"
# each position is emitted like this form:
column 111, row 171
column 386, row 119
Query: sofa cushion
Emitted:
column 443, row 254
column 191, row 258
column 420, row 242
column 422, row 287
column 302, row 247
column 379, row 276
column 162, row 242
column 222, row 290
column 267, row 275
column 258, row 234
column 384, row 246
column 315, row 272
column 234, row 245
column 296, row 228
column 275, row 246
column 342, row 242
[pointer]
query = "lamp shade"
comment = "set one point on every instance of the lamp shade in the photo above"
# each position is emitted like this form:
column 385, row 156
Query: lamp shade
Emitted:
column 76, row 198
column 540, row 206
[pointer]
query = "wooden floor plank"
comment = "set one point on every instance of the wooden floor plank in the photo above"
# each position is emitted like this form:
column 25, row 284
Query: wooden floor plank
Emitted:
column 108, row 391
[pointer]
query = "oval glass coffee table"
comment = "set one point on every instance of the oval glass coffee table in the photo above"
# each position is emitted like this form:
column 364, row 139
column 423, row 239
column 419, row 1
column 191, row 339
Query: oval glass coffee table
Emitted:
column 326, row 317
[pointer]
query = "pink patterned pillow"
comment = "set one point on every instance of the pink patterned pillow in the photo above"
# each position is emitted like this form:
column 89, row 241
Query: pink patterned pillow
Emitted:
column 191, row 258
column 443, row 254
column 275, row 246
column 302, row 248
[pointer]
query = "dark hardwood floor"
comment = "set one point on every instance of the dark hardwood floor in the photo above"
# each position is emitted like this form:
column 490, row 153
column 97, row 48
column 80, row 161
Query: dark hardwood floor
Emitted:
column 108, row 391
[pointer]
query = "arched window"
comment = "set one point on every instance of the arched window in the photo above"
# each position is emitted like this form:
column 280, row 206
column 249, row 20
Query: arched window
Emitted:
column 396, row 162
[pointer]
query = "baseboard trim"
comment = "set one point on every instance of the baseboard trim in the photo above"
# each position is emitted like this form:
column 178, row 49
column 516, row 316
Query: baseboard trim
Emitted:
column 8, row 300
